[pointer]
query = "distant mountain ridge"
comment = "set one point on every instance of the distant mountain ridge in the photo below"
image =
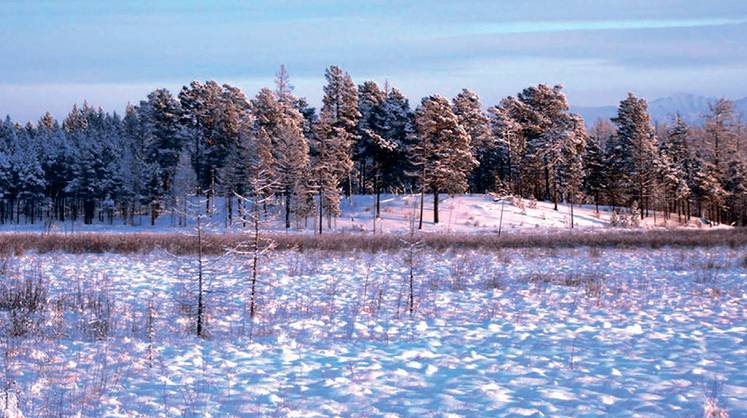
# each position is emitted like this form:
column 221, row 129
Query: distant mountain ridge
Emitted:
column 690, row 106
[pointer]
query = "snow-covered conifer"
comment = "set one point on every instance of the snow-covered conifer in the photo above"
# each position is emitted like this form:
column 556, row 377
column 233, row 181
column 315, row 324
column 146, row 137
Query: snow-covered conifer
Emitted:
column 632, row 154
column 443, row 154
column 338, row 120
column 467, row 108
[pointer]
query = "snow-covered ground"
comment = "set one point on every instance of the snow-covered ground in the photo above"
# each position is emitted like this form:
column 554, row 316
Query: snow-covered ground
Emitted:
column 475, row 213
column 530, row 332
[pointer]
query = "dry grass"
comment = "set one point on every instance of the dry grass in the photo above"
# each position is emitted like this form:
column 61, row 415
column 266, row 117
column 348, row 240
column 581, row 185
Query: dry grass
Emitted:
column 17, row 243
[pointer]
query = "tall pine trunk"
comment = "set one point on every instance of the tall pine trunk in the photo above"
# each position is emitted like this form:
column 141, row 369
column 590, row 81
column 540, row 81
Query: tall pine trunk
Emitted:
column 287, row 208
column 547, row 182
column 321, row 205
column 422, row 203
column 435, row 206
column 555, row 194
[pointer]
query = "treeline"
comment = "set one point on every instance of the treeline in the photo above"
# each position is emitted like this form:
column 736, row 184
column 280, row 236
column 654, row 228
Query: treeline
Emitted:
column 212, row 140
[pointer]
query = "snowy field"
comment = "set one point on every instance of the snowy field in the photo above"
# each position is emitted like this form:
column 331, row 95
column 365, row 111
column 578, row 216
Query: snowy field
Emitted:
column 524, row 332
column 475, row 213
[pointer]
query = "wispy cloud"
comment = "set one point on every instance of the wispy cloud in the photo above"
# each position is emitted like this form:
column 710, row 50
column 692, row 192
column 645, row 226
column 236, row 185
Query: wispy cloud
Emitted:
column 56, row 53
column 506, row 28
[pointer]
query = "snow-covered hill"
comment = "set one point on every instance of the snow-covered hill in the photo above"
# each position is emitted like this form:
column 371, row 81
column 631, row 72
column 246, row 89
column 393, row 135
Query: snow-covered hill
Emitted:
column 476, row 213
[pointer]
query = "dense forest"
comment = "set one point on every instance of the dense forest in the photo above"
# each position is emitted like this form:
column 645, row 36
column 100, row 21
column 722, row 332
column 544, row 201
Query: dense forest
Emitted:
column 214, row 141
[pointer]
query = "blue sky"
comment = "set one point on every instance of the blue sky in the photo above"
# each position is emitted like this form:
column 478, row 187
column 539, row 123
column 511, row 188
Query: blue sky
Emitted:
column 56, row 53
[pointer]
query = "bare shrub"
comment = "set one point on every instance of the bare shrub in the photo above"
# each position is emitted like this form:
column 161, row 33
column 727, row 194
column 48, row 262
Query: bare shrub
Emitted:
column 502, row 257
column 592, row 284
column 712, row 409
column 594, row 287
column 494, row 280
column 714, row 292
column 96, row 307
column 707, row 271
column 186, row 310
column 463, row 267
column 712, row 264
column 23, row 296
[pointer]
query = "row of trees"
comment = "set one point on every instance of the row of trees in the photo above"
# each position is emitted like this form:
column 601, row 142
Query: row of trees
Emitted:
column 211, row 139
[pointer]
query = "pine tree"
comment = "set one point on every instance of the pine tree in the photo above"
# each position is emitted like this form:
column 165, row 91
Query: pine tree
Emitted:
column 735, row 184
column 396, row 124
column 233, row 130
column 267, row 116
column 330, row 165
column 719, row 151
column 595, row 174
column 5, row 182
column 200, row 117
column 443, row 154
column 26, row 174
column 292, row 165
column 283, row 87
column 467, row 108
column 503, row 159
column 233, row 176
column 259, row 192
column 183, row 186
column 310, row 118
column 280, row 125
column 569, row 170
column 160, row 116
column 560, row 149
column 132, row 164
column 338, row 120
column 632, row 153
column 542, row 112
column 55, row 157
column 720, row 134
column 676, row 166
column 370, row 126
column 384, row 130
column 91, row 133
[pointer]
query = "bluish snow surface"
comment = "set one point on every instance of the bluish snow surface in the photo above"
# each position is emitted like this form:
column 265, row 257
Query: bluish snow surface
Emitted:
column 524, row 332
